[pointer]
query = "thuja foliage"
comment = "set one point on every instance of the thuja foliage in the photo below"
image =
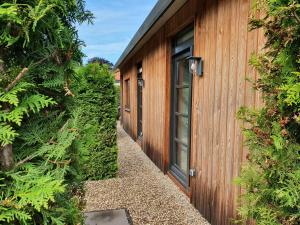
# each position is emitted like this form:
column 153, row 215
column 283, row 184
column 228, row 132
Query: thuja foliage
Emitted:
column 36, row 192
column 39, row 47
column 271, row 178
column 95, row 103
column 18, row 108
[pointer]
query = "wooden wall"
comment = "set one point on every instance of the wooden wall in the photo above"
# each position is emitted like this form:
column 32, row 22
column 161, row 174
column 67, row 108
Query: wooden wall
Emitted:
column 154, row 66
column 223, row 41
column 128, row 117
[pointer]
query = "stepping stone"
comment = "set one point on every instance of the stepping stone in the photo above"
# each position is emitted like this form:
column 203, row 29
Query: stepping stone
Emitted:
column 108, row 217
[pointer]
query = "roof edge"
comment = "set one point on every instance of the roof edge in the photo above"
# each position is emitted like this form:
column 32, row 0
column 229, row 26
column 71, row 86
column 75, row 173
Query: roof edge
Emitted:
column 155, row 14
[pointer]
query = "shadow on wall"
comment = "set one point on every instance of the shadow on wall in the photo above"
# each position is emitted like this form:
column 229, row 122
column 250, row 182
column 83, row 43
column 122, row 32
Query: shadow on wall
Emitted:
column 154, row 154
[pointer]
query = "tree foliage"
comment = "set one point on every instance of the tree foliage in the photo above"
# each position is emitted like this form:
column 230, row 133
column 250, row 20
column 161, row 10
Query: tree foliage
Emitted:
column 18, row 108
column 39, row 36
column 39, row 49
column 271, row 178
column 101, row 61
column 31, row 191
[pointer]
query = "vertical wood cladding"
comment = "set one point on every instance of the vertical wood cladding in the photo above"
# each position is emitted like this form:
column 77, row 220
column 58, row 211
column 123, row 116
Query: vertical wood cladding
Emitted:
column 223, row 41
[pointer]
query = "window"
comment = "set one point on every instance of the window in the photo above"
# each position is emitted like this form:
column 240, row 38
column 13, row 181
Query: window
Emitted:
column 127, row 94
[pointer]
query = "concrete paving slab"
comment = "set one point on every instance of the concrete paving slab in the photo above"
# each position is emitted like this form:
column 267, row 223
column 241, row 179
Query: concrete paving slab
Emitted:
column 107, row 217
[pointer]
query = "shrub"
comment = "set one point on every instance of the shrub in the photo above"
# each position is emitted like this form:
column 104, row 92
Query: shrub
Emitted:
column 39, row 47
column 118, row 89
column 96, row 106
column 271, row 178
column 32, row 192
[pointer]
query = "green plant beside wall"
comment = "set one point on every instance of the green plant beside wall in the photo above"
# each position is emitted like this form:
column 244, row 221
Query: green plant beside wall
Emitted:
column 39, row 47
column 118, row 90
column 271, row 177
column 95, row 103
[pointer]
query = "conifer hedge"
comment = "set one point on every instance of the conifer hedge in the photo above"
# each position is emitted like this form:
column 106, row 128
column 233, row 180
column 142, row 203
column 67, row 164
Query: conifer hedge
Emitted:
column 96, row 104
column 53, row 122
column 271, row 178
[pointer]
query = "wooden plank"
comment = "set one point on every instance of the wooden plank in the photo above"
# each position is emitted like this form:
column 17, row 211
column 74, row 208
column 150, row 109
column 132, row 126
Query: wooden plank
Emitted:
column 213, row 19
column 232, row 110
column 217, row 108
column 201, row 185
column 224, row 154
column 167, row 105
column 208, row 96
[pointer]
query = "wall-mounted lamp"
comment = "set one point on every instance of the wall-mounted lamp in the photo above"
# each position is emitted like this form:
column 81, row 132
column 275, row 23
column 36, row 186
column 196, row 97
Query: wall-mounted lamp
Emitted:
column 196, row 65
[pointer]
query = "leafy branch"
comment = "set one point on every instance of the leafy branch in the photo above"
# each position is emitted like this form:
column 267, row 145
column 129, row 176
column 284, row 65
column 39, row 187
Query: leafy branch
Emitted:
column 271, row 177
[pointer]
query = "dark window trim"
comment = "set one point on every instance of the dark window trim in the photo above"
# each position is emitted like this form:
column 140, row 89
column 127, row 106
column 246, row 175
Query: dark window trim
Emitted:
column 127, row 95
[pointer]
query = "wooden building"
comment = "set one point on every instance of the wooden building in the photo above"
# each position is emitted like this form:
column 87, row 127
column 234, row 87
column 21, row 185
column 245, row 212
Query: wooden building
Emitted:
column 182, row 109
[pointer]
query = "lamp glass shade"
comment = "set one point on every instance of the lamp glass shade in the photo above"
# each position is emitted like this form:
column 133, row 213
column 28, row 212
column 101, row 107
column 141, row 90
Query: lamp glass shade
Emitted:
column 193, row 65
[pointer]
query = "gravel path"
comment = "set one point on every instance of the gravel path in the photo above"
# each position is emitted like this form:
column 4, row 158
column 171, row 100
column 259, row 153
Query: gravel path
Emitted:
column 149, row 195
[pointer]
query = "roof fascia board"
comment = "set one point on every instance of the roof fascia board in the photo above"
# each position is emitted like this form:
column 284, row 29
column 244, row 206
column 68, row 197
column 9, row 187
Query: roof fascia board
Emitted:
column 155, row 14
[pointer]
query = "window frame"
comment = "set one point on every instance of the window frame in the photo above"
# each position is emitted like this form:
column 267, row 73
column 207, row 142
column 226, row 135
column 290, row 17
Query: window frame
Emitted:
column 127, row 94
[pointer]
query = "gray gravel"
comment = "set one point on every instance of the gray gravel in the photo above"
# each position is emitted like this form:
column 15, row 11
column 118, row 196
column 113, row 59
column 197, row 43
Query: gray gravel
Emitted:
column 149, row 195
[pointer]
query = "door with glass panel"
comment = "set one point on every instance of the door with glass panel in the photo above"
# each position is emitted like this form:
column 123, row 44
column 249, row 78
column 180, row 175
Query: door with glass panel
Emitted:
column 181, row 97
column 140, row 101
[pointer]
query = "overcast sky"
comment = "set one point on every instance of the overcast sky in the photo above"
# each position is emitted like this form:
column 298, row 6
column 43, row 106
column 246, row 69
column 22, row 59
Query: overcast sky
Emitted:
column 115, row 24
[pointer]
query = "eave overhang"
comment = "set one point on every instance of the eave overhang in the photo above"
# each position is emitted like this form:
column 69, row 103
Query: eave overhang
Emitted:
column 159, row 15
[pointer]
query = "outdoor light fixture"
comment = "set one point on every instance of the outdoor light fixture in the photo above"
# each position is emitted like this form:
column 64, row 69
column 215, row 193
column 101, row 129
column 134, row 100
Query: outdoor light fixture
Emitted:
column 196, row 65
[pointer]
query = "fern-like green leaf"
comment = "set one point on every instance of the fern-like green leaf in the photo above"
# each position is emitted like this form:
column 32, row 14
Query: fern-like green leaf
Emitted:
column 11, row 214
column 37, row 102
column 11, row 97
column 7, row 134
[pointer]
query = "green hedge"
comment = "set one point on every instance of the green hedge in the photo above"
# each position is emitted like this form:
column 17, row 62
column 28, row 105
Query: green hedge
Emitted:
column 271, row 177
column 39, row 47
column 96, row 105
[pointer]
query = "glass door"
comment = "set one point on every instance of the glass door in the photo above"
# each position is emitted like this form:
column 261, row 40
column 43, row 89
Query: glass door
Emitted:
column 181, row 113
column 140, row 101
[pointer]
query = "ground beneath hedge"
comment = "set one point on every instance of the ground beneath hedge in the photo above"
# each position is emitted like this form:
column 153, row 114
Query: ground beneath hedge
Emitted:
column 149, row 195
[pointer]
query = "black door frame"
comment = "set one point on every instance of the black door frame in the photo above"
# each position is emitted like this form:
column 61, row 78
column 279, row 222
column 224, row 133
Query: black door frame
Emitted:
column 179, row 53
column 140, row 84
